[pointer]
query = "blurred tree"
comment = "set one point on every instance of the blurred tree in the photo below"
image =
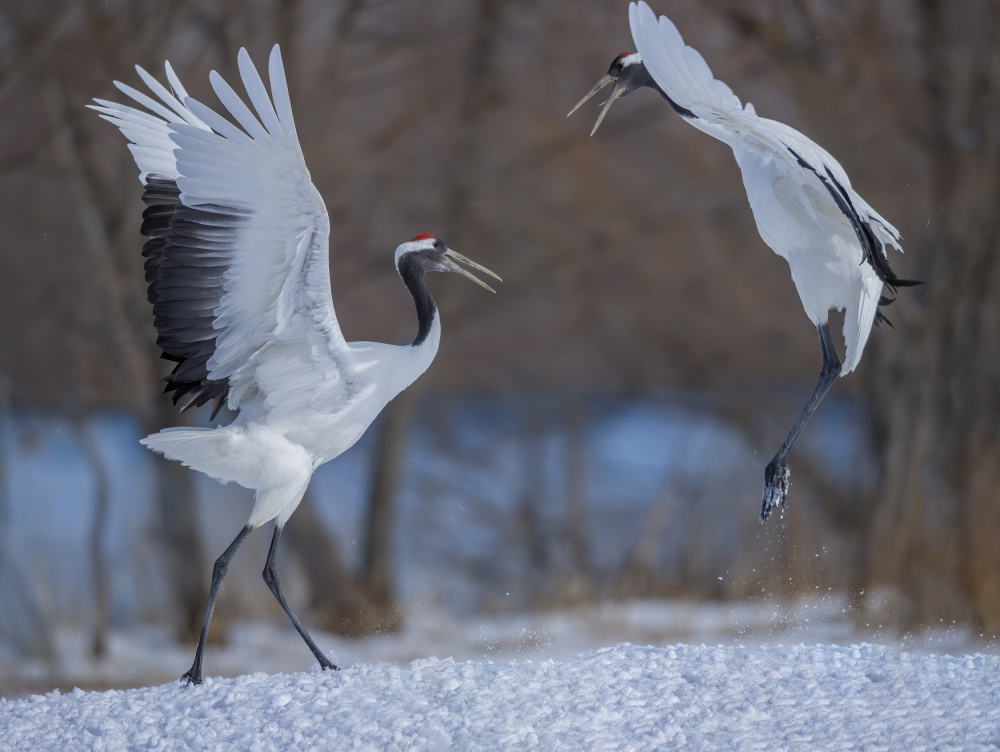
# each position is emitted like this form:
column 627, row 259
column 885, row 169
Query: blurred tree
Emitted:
column 386, row 474
column 933, row 534
column 339, row 602
column 21, row 619
column 631, row 259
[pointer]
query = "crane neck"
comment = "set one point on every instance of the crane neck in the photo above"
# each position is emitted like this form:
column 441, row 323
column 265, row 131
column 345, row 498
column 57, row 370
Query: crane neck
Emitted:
column 412, row 274
column 641, row 77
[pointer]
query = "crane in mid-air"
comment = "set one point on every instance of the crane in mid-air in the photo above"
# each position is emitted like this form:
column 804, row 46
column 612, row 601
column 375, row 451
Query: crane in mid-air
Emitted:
column 802, row 200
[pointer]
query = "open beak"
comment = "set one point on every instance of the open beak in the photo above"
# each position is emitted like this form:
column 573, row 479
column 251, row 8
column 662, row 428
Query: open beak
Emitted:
column 607, row 106
column 597, row 87
column 452, row 257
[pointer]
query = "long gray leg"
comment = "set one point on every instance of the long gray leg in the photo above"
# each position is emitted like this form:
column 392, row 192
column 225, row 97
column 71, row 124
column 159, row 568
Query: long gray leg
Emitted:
column 271, row 578
column 218, row 573
column 776, row 474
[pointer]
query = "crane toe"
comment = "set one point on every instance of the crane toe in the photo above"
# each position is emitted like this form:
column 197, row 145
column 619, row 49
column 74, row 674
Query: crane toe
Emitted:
column 776, row 481
column 191, row 677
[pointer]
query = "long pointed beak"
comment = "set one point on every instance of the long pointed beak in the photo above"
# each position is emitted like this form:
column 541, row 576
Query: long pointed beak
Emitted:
column 452, row 257
column 607, row 106
column 597, row 87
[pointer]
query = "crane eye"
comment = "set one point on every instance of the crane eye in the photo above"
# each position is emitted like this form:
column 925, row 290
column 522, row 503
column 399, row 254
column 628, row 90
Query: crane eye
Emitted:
column 438, row 245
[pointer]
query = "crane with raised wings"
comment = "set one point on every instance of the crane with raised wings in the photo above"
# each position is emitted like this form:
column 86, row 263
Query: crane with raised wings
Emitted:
column 238, row 268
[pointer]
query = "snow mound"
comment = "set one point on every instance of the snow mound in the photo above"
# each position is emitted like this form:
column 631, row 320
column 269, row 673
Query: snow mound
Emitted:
column 623, row 697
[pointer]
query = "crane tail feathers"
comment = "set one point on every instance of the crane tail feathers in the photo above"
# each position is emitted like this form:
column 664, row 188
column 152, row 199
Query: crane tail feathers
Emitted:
column 858, row 321
column 207, row 450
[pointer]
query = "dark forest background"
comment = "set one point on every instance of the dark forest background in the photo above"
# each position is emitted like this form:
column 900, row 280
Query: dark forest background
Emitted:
column 631, row 261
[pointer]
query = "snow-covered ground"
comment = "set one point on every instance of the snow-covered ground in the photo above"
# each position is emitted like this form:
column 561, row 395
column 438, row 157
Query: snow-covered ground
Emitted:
column 623, row 697
column 143, row 655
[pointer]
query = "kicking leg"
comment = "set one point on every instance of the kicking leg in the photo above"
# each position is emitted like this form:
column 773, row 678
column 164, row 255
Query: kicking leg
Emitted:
column 218, row 573
column 271, row 578
column 776, row 473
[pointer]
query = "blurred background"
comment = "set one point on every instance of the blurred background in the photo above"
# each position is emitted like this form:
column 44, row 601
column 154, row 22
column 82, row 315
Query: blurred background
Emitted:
column 583, row 462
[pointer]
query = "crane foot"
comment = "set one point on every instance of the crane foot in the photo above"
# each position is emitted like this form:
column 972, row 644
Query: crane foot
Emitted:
column 776, row 481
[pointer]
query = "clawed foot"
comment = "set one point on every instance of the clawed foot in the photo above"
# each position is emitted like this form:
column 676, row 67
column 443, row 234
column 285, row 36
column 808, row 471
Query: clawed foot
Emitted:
column 776, row 476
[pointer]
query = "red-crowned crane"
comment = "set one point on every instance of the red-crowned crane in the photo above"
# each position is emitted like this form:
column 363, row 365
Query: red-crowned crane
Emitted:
column 801, row 198
column 238, row 268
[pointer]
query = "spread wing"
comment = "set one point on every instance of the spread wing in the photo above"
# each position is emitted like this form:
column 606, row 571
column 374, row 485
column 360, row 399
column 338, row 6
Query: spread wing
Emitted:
column 237, row 256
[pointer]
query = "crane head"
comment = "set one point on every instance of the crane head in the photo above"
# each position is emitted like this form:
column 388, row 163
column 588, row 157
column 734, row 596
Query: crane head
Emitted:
column 429, row 254
column 627, row 73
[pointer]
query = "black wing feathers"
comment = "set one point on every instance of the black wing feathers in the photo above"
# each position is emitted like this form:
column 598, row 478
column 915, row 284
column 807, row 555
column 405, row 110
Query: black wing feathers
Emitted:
column 187, row 255
column 873, row 251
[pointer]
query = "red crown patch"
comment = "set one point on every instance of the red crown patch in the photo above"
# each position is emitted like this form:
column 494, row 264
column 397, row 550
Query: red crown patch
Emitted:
column 421, row 236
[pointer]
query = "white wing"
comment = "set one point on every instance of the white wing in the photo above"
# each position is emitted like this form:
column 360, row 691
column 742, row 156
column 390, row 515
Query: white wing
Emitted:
column 238, row 258
column 683, row 74
column 773, row 149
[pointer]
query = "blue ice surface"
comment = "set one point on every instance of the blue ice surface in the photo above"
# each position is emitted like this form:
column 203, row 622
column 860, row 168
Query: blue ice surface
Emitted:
column 471, row 469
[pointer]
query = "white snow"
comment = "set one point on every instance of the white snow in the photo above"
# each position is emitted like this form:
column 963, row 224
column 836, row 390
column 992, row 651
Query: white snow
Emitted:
column 144, row 655
column 623, row 697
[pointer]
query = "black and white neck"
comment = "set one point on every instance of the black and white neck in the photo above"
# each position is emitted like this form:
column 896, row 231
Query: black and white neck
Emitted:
column 414, row 258
column 412, row 268
column 630, row 74
column 422, row 254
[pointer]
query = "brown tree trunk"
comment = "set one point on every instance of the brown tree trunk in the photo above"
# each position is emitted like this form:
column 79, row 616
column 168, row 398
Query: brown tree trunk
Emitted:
column 131, row 361
column 339, row 604
column 390, row 455
column 638, row 576
column 398, row 416
column 529, row 531
column 23, row 621
column 188, row 570
column 932, row 536
column 577, row 512
column 98, row 565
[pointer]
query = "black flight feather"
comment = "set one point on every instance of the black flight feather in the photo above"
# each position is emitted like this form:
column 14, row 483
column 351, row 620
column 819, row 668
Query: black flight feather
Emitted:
column 187, row 255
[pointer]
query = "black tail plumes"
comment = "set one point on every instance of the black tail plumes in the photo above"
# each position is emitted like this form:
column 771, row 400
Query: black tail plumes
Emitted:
column 872, row 250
